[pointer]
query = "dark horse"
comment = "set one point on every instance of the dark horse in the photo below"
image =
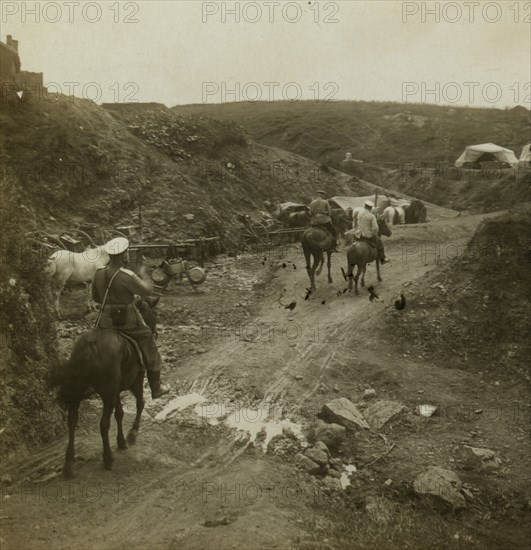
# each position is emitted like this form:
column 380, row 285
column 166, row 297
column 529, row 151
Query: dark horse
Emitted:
column 361, row 253
column 109, row 363
column 316, row 241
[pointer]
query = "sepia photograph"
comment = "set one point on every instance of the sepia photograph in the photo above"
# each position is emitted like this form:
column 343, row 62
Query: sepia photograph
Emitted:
column 265, row 275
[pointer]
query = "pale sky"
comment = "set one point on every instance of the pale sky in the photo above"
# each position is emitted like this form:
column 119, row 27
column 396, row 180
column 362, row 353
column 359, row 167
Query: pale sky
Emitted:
column 180, row 52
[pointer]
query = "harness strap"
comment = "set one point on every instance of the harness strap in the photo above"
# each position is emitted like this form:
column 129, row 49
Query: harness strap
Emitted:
column 105, row 298
column 135, row 345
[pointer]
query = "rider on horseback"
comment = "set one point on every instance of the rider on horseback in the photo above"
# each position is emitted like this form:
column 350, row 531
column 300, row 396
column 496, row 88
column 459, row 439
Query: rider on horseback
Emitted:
column 368, row 230
column 321, row 215
column 119, row 311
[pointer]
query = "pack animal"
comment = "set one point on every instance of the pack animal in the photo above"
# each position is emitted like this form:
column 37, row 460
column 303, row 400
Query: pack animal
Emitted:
column 316, row 242
column 107, row 362
column 361, row 253
column 75, row 267
column 415, row 212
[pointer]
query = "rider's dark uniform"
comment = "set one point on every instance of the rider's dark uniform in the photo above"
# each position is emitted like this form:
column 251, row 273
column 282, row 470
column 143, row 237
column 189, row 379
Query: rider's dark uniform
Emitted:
column 321, row 215
column 121, row 295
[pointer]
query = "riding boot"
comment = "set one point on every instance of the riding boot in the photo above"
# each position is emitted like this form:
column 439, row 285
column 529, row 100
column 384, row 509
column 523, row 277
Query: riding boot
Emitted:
column 157, row 389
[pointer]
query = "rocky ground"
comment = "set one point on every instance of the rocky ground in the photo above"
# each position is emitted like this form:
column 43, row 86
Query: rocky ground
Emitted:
column 326, row 425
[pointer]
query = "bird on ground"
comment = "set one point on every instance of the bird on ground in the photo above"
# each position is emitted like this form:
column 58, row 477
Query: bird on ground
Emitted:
column 291, row 306
column 401, row 304
column 373, row 296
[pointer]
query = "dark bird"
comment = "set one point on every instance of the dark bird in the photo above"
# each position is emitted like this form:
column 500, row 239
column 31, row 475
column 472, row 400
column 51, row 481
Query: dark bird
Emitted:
column 308, row 294
column 294, row 266
column 291, row 306
column 323, row 302
column 373, row 296
column 401, row 304
column 283, row 265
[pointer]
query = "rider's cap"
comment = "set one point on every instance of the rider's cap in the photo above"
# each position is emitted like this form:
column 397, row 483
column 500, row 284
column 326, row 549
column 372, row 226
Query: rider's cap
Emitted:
column 116, row 246
column 369, row 203
column 321, row 192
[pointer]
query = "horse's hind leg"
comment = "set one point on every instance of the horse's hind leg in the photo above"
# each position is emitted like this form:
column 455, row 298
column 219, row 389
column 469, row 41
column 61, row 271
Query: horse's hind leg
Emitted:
column 329, row 266
column 378, row 271
column 105, row 424
column 119, row 415
column 356, row 279
column 73, row 413
column 310, row 269
column 319, row 260
column 138, row 391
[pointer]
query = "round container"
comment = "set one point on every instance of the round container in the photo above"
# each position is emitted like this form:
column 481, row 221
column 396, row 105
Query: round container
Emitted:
column 196, row 275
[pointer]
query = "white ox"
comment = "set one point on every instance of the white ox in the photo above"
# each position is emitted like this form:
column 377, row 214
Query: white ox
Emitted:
column 75, row 267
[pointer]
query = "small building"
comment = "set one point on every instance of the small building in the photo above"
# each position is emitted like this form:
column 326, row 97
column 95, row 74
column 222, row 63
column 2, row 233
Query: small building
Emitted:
column 12, row 79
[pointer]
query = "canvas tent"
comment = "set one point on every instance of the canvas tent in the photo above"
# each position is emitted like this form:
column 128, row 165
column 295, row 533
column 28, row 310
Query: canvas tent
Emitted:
column 474, row 152
column 525, row 157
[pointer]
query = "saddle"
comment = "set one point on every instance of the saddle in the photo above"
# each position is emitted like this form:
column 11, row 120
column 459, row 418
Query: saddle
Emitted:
column 93, row 335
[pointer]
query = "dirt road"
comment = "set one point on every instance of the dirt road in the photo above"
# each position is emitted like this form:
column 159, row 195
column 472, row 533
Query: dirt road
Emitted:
column 200, row 476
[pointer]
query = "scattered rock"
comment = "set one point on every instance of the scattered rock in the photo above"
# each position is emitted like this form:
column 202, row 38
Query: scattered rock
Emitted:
column 216, row 521
column 307, row 464
column 379, row 413
column 298, row 377
column 285, row 445
column 345, row 413
column 331, row 484
column 426, row 410
column 189, row 217
column 322, row 447
column 440, row 485
column 477, row 457
column 336, row 464
column 317, row 455
column 367, row 394
column 332, row 435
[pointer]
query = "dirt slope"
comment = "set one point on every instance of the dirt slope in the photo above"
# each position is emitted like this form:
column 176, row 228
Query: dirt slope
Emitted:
column 194, row 483
column 410, row 148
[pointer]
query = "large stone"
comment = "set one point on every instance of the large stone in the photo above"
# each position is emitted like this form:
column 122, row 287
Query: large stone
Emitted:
column 344, row 412
column 307, row 464
column 478, row 457
column 317, row 455
column 332, row 435
column 322, row 447
column 441, row 485
column 380, row 412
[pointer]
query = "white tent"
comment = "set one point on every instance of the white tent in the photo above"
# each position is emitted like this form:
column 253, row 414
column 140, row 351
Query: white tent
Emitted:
column 526, row 153
column 473, row 152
